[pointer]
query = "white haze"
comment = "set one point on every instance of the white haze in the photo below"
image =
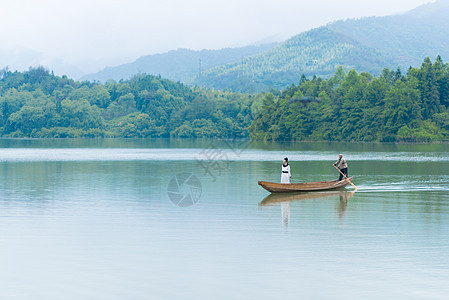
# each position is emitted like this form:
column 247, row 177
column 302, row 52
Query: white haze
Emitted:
column 83, row 36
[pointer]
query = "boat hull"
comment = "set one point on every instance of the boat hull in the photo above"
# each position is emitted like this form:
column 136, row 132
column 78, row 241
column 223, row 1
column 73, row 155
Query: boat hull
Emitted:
column 274, row 187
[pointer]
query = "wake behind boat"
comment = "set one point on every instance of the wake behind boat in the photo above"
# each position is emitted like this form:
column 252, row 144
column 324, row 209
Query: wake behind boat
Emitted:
column 274, row 187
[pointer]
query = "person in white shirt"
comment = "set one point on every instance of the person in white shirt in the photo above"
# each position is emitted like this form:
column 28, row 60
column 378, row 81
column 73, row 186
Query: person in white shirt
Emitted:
column 285, row 177
column 342, row 165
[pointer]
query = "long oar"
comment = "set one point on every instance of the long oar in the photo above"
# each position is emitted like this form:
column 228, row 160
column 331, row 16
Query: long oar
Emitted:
column 346, row 178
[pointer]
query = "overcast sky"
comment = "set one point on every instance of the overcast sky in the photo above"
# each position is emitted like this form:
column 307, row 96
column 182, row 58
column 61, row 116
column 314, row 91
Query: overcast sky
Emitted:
column 89, row 30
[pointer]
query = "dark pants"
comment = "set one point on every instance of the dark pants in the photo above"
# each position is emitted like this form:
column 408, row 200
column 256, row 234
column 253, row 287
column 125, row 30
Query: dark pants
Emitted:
column 344, row 171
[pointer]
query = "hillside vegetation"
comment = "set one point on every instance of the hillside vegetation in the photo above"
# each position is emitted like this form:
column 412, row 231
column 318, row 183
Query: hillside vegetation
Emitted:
column 348, row 106
column 366, row 45
column 359, row 107
column 316, row 52
column 39, row 104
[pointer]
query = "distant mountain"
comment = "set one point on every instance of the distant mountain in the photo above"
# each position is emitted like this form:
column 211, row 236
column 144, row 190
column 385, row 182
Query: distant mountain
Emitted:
column 367, row 45
column 22, row 59
column 179, row 65
column 408, row 38
column 316, row 52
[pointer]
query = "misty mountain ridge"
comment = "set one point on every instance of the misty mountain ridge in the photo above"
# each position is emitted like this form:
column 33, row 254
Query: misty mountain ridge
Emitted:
column 367, row 45
column 406, row 38
column 179, row 65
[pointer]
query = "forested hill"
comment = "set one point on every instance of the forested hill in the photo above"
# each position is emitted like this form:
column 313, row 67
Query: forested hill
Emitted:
column 366, row 45
column 316, row 52
column 39, row 104
column 349, row 106
column 393, row 107
column 179, row 65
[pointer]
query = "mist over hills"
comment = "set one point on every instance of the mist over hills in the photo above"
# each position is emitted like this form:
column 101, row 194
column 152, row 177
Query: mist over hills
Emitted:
column 366, row 45
column 22, row 59
column 406, row 38
column 179, row 65
column 316, row 52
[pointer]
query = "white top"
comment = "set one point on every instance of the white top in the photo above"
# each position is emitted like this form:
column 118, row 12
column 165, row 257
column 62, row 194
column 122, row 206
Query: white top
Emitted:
column 341, row 163
column 286, row 169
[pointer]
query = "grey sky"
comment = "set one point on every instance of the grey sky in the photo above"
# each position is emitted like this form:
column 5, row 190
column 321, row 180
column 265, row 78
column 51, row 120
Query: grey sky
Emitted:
column 86, row 31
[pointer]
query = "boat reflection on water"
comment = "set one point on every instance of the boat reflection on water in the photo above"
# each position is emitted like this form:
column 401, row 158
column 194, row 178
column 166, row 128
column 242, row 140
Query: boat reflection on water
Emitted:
column 284, row 200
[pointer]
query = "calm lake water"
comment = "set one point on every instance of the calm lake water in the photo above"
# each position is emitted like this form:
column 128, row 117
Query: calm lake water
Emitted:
column 93, row 219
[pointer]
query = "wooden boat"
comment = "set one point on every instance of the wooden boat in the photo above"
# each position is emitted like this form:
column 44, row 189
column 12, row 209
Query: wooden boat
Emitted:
column 273, row 187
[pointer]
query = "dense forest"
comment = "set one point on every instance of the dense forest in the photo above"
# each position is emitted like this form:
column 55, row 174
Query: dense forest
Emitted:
column 349, row 106
column 38, row 104
column 393, row 107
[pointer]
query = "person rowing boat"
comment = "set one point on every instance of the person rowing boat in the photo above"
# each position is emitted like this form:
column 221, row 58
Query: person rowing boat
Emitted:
column 342, row 165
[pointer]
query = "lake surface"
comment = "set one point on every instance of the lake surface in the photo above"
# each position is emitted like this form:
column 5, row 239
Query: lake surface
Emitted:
column 96, row 219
